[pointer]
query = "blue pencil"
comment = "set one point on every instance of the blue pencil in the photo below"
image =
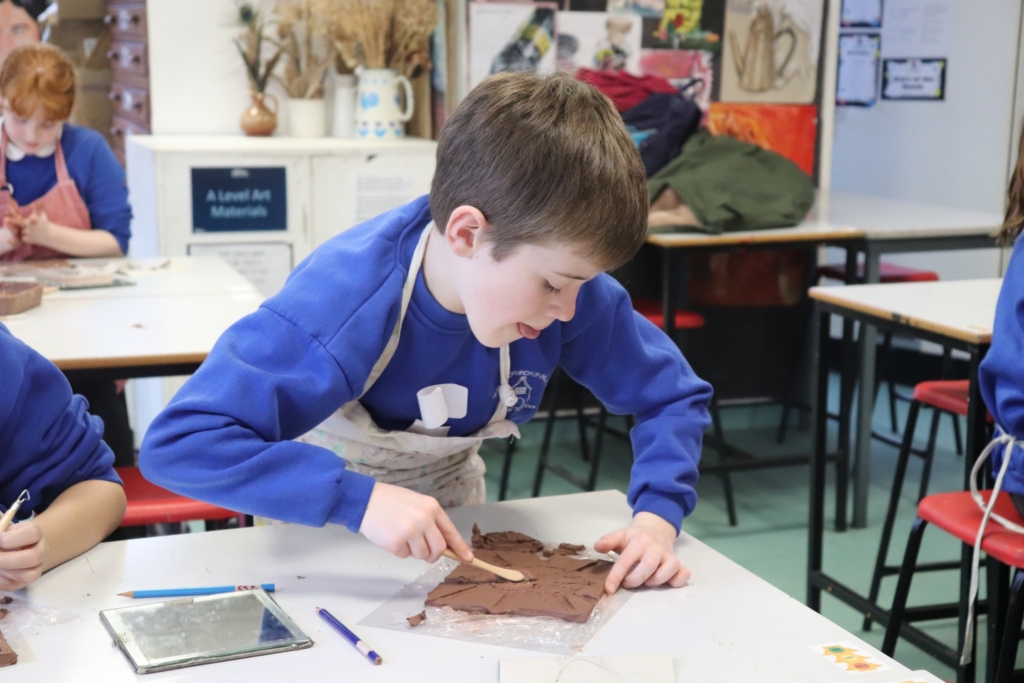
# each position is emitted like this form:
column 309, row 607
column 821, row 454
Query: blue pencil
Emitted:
column 182, row 592
column 349, row 636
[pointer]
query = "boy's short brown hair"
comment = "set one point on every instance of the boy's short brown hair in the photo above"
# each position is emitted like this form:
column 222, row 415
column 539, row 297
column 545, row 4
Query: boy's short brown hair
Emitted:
column 39, row 76
column 545, row 158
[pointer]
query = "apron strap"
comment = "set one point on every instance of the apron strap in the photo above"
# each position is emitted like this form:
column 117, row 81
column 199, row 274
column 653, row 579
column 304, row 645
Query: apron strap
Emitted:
column 58, row 159
column 506, row 396
column 3, row 157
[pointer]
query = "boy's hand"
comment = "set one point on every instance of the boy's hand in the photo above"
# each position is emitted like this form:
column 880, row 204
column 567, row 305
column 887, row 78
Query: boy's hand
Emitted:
column 36, row 228
column 407, row 523
column 647, row 544
column 23, row 552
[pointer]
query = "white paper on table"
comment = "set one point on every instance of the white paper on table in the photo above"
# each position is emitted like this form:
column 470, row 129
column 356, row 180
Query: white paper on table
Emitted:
column 7, row 240
column 857, row 82
column 440, row 402
column 613, row 669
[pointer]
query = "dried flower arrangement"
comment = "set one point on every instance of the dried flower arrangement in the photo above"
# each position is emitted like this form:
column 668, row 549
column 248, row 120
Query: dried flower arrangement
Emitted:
column 250, row 47
column 381, row 34
column 301, row 35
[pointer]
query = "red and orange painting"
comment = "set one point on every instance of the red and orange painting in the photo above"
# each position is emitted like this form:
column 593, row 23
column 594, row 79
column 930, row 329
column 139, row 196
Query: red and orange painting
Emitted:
column 787, row 129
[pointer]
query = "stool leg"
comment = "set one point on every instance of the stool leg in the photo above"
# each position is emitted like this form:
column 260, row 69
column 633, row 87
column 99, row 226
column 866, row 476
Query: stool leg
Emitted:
column 947, row 370
column 780, row 435
column 723, row 450
column 542, row 463
column 596, row 455
column 581, row 423
column 899, row 601
column 506, row 468
column 958, row 438
column 894, row 503
column 997, row 575
column 1011, row 635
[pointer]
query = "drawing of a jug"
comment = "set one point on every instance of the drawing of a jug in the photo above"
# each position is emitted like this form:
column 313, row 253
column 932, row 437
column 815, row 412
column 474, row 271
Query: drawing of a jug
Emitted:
column 756, row 62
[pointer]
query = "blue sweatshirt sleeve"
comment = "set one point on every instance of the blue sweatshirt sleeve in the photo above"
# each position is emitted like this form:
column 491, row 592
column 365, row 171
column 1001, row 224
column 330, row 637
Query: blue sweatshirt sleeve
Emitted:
column 226, row 437
column 635, row 369
column 1001, row 374
column 48, row 440
column 101, row 182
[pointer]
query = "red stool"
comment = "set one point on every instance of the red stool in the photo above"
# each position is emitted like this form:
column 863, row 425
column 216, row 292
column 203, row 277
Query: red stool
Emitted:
column 887, row 272
column 958, row 515
column 653, row 310
column 151, row 504
column 945, row 395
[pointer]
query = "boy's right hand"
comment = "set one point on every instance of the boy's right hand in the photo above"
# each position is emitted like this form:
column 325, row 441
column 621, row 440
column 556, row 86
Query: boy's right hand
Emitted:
column 23, row 552
column 406, row 524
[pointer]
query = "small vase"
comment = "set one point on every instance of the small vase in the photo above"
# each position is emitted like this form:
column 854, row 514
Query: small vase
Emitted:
column 258, row 119
column 343, row 122
column 379, row 116
column 306, row 118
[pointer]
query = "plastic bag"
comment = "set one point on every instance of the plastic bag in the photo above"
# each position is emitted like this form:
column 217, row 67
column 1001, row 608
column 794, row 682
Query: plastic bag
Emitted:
column 541, row 634
column 28, row 617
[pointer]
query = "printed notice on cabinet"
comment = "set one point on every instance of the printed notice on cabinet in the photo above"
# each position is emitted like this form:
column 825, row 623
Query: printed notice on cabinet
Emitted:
column 377, row 194
column 264, row 264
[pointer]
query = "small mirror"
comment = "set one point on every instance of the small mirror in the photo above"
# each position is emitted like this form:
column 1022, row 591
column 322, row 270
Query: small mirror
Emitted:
column 213, row 628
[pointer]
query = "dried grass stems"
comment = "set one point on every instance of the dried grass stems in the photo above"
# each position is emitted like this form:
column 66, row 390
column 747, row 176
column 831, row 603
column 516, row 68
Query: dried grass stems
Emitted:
column 381, row 34
column 301, row 35
column 250, row 47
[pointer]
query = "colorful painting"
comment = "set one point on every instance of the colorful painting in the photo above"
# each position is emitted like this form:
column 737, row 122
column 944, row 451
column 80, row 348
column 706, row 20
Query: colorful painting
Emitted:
column 688, row 70
column 511, row 37
column 645, row 8
column 789, row 130
column 599, row 40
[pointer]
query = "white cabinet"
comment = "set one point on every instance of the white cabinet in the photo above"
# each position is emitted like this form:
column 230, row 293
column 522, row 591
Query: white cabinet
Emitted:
column 329, row 185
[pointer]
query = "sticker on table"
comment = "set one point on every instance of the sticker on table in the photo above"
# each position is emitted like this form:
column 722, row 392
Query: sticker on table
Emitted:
column 849, row 657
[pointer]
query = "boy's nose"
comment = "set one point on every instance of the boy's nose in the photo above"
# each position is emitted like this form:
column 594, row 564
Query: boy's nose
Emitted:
column 564, row 309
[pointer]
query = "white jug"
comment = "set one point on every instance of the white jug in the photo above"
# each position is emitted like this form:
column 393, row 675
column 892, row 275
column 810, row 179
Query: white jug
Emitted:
column 379, row 114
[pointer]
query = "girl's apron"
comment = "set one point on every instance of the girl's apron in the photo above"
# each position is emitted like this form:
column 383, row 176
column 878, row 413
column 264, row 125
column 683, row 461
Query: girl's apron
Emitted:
column 986, row 508
column 63, row 205
column 449, row 468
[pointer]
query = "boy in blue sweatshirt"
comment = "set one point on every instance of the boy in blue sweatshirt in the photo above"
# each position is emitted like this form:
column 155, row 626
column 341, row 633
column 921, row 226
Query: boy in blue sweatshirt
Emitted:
column 52, row 448
column 359, row 394
column 1001, row 374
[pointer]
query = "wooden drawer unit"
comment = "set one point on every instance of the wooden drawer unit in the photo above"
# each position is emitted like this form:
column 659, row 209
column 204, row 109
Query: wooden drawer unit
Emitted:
column 130, row 103
column 119, row 130
column 126, row 21
column 128, row 58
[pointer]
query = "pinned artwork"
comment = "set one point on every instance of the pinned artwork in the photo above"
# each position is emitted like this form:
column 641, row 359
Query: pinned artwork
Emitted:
column 850, row 657
column 645, row 8
column 686, row 25
column 787, row 129
column 689, row 70
column 511, row 37
column 771, row 51
column 599, row 40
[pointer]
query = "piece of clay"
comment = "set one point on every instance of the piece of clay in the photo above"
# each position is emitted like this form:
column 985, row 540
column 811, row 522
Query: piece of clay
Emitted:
column 561, row 586
column 6, row 600
column 7, row 655
column 417, row 619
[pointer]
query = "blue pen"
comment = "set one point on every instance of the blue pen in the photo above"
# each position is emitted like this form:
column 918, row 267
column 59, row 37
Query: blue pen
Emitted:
column 349, row 636
column 184, row 592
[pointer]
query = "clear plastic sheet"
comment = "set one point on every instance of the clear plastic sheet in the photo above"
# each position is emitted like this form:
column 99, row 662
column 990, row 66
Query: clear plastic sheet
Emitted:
column 540, row 634
column 28, row 617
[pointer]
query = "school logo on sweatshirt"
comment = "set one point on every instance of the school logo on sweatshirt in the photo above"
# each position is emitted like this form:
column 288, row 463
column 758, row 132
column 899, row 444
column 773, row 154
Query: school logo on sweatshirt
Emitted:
column 528, row 387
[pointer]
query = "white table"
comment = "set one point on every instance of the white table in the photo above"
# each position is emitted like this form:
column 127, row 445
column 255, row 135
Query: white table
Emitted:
column 957, row 314
column 165, row 324
column 726, row 625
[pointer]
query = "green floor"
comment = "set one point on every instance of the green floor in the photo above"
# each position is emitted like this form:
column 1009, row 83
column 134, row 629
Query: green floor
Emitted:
column 771, row 537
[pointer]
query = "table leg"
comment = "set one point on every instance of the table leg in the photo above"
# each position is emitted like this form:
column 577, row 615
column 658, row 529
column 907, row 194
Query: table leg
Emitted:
column 866, row 404
column 847, row 382
column 668, row 291
column 816, row 524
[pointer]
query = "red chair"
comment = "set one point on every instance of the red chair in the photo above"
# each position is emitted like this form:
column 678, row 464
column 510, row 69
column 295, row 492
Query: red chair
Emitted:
column 151, row 504
column 958, row 515
column 945, row 395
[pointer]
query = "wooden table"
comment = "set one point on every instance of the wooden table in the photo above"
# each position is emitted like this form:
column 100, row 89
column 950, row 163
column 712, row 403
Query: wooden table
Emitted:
column 165, row 324
column 726, row 625
column 956, row 314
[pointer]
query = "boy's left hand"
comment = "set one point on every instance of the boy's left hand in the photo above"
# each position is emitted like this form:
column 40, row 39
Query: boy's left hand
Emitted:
column 648, row 544
column 23, row 552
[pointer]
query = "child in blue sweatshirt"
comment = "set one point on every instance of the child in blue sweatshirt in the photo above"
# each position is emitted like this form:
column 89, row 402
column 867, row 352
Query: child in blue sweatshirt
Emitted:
column 53, row 449
column 1001, row 374
column 359, row 395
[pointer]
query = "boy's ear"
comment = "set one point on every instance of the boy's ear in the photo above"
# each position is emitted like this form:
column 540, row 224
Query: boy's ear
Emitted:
column 464, row 232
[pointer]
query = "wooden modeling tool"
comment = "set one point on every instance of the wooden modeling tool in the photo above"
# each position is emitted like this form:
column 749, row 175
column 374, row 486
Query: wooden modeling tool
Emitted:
column 8, row 517
column 507, row 574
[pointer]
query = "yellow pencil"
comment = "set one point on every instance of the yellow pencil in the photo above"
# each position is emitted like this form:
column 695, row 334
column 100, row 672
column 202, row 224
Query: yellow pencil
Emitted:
column 5, row 521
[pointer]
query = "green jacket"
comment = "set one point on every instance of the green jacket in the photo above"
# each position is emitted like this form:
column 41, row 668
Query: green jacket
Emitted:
column 732, row 185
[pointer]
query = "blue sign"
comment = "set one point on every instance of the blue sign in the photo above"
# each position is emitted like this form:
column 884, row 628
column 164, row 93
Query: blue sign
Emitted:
column 239, row 199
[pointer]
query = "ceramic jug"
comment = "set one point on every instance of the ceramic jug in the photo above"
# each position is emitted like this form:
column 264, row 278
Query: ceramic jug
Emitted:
column 756, row 62
column 379, row 115
column 258, row 119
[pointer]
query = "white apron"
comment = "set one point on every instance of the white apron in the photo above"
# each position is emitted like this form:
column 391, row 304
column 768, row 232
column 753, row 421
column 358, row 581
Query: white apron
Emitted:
column 448, row 468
